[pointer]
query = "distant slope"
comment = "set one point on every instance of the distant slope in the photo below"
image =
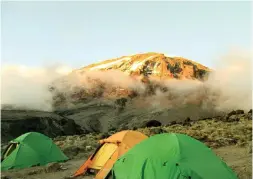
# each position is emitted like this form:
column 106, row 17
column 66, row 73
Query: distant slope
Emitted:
column 17, row 122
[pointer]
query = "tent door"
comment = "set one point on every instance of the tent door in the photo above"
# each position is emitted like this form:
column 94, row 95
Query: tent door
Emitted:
column 103, row 155
column 9, row 150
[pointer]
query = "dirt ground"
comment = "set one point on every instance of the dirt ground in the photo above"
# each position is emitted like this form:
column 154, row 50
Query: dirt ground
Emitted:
column 238, row 158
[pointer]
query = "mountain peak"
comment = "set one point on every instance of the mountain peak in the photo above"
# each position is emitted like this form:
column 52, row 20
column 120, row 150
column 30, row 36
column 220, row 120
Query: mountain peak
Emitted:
column 152, row 64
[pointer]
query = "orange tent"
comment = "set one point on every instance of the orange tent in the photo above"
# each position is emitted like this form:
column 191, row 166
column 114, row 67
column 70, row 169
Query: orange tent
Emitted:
column 109, row 151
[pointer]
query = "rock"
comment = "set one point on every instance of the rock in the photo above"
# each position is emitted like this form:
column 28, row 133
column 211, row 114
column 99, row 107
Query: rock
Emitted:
column 249, row 116
column 171, row 123
column 234, row 112
column 187, row 119
column 233, row 118
column 17, row 122
column 250, row 111
column 52, row 167
column 153, row 123
column 187, row 122
column 231, row 113
column 239, row 111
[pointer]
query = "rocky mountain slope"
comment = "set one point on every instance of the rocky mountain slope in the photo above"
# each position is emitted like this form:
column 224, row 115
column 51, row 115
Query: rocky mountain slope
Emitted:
column 17, row 122
column 93, row 116
column 127, row 76
column 126, row 92
column 123, row 93
column 153, row 65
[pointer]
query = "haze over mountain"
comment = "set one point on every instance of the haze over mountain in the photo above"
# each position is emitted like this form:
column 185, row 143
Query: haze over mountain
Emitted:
column 100, row 100
column 134, row 75
column 159, row 79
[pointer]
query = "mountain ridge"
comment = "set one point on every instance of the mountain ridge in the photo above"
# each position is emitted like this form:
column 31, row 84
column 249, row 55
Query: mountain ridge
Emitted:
column 151, row 64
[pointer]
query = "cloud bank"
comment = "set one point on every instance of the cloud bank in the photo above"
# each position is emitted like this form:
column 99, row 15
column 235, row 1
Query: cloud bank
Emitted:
column 228, row 87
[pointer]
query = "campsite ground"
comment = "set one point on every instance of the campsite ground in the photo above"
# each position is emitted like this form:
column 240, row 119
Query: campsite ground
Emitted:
column 230, row 137
column 237, row 157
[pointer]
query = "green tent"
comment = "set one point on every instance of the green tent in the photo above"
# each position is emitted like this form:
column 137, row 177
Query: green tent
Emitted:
column 31, row 149
column 171, row 156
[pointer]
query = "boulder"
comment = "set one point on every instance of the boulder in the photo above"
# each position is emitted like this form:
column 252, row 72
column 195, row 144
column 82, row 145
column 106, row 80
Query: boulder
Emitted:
column 248, row 116
column 231, row 113
column 233, row 118
column 152, row 123
column 239, row 111
column 234, row 112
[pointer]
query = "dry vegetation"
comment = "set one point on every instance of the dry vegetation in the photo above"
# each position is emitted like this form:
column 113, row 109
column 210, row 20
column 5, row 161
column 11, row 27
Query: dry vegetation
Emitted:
column 212, row 132
column 230, row 132
column 215, row 132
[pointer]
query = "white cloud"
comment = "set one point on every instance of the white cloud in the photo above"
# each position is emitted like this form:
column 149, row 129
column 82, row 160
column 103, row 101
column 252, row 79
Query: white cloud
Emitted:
column 25, row 86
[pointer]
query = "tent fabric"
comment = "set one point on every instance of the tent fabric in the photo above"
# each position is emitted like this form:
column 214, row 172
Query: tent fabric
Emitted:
column 103, row 155
column 33, row 149
column 171, row 156
column 121, row 136
column 109, row 151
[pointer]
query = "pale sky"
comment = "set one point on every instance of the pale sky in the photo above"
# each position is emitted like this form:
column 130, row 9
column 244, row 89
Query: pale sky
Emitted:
column 79, row 33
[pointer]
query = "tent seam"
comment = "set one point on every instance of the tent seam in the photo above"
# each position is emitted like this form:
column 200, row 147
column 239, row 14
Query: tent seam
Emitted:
column 179, row 150
column 14, row 161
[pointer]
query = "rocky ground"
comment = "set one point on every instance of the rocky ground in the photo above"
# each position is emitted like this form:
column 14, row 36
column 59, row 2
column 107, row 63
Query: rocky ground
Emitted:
column 230, row 136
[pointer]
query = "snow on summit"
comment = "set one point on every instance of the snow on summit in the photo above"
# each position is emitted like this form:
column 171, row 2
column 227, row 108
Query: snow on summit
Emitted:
column 152, row 64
